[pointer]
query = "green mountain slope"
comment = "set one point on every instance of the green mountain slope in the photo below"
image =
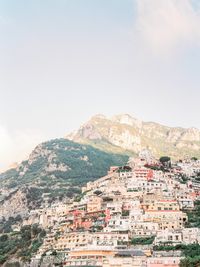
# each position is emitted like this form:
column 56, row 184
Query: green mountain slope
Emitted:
column 59, row 167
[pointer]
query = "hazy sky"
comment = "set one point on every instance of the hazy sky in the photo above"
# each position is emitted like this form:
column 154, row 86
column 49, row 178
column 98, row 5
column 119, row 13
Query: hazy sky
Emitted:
column 62, row 61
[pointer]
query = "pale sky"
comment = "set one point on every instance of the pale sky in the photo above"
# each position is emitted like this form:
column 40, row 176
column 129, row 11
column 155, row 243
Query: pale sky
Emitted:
column 62, row 61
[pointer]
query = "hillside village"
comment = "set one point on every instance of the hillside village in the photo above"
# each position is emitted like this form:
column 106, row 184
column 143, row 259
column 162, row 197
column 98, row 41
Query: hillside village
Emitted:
column 99, row 133
column 140, row 214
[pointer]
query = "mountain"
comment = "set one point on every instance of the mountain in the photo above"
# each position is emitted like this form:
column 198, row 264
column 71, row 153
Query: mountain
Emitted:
column 126, row 134
column 58, row 168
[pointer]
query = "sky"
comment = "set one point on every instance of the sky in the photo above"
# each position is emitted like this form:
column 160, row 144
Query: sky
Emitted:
column 63, row 61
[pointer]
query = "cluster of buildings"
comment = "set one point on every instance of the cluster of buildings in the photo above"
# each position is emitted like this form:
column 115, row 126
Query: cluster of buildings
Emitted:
column 121, row 217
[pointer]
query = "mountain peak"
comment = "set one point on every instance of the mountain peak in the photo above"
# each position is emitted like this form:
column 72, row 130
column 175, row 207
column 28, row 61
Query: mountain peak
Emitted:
column 127, row 119
column 123, row 132
column 98, row 116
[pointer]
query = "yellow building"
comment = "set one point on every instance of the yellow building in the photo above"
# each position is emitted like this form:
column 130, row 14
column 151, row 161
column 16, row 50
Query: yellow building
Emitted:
column 167, row 219
column 164, row 205
column 88, row 257
column 94, row 204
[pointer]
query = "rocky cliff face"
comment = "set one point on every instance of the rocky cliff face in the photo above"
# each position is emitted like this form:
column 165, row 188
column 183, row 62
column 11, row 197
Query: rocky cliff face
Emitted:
column 14, row 204
column 125, row 133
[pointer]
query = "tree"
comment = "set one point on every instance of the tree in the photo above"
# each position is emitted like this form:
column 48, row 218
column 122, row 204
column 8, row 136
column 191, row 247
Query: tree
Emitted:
column 190, row 262
column 165, row 161
column 194, row 158
column 3, row 238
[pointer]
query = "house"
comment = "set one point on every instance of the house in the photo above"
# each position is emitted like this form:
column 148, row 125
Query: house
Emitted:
column 191, row 235
column 126, row 258
column 140, row 228
column 167, row 219
column 171, row 237
column 94, row 203
column 87, row 257
column 163, row 262
column 73, row 240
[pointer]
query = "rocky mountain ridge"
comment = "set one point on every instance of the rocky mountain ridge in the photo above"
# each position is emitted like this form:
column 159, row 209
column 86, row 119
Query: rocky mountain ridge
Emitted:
column 125, row 133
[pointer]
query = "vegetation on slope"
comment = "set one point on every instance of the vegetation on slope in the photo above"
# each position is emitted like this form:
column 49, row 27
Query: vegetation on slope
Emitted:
column 21, row 244
column 191, row 250
column 194, row 215
column 129, row 135
column 60, row 167
column 143, row 240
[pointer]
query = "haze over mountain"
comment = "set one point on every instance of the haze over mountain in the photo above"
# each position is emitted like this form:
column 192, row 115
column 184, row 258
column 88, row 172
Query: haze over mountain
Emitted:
column 59, row 167
column 126, row 56
column 124, row 133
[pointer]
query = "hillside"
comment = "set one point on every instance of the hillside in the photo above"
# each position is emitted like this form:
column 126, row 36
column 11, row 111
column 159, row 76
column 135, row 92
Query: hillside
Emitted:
column 125, row 134
column 58, row 167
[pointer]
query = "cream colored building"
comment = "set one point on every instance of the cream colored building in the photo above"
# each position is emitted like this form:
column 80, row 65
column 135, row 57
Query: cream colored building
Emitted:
column 94, row 204
column 167, row 219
